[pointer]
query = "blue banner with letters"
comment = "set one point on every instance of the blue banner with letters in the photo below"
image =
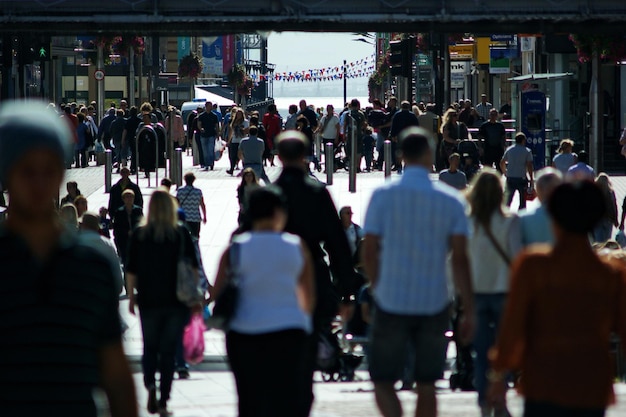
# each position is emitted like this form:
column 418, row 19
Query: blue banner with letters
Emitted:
column 533, row 112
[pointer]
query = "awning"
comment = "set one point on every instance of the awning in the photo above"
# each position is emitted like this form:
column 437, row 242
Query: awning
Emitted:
column 202, row 93
column 557, row 76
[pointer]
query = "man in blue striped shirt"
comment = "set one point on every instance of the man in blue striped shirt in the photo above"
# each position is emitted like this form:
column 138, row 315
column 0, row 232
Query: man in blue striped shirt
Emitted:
column 410, row 227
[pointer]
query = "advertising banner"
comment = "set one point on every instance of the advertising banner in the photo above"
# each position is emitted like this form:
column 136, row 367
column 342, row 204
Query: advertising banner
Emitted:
column 212, row 56
column 184, row 47
column 228, row 53
column 533, row 111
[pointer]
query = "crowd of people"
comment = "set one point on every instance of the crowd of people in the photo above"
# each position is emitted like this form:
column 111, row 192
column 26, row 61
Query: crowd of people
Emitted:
column 520, row 308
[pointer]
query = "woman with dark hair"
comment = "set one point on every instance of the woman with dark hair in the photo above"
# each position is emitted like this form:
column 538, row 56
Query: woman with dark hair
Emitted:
column 603, row 231
column 268, row 333
column 249, row 183
column 563, row 306
column 80, row 148
column 151, row 269
column 495, row 236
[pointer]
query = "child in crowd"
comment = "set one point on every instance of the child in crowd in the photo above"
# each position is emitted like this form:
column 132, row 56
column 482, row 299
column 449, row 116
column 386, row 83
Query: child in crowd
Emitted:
column 368, row 148
column 105, row 222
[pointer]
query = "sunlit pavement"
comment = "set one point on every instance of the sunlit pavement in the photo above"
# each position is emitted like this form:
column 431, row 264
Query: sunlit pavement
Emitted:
column 210, row 391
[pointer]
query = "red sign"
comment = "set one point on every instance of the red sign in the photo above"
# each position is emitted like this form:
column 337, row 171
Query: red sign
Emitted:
column 98, row 75
column 228, row 53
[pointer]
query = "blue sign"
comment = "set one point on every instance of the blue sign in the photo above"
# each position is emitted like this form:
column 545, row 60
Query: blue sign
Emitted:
column 502, row 38
column 184, row 47
column 533, row 112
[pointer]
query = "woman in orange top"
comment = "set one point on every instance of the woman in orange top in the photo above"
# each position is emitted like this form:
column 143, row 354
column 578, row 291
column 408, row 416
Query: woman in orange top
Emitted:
column 563, row 305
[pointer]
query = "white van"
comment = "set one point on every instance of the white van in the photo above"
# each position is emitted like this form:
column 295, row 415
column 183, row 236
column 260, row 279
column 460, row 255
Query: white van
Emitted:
column 188, row 107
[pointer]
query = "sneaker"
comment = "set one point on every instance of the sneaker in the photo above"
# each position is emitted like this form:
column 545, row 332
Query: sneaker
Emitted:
column 153, row 406
column 164, row 412
column 183, row 373
column 503, row 412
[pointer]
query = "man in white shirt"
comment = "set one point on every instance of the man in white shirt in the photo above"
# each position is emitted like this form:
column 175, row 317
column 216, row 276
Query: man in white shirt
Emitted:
column 329, row 125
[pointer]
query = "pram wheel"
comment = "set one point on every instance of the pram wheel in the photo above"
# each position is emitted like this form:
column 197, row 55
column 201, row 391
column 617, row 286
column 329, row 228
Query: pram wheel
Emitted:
column 330, row 376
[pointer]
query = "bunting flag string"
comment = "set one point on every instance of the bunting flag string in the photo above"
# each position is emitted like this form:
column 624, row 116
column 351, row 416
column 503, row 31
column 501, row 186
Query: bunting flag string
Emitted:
column 357, row 69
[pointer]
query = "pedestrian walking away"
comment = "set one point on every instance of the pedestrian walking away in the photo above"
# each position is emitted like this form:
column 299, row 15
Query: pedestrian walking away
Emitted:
column 192, row 203
column 312, row 215
column 555, row 314
column 494, row 235
column 268, row 332
column 517, row 165
column 151, row 270
column 410, row 285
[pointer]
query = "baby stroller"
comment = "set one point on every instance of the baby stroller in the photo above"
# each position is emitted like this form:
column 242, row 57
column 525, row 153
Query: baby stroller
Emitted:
column 470, row 158
column 332, row 361
column 341, row 157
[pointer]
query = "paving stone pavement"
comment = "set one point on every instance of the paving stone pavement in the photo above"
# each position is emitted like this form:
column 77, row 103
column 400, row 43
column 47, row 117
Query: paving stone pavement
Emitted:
column 211, row 391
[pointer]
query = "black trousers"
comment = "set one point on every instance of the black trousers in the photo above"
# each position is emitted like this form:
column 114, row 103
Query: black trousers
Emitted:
column 544, row 409
column 268, row 370
column 233, row 155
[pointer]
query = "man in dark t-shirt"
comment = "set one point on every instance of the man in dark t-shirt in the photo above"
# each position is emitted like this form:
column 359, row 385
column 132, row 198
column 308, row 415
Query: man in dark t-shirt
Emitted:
column 59, row 312
column 208, row 126
column 493, row 140
column 400, row 121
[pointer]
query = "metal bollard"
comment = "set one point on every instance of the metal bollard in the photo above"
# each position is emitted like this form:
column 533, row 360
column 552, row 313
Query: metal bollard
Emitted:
column 173, row 169
column 178, row 157
column 353, row 162
column 329, row 161
column 108, row 170
column 387, row 158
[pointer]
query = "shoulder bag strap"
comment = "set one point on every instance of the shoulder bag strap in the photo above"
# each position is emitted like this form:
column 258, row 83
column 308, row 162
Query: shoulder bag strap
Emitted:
column 497, row 246
column 187, row 195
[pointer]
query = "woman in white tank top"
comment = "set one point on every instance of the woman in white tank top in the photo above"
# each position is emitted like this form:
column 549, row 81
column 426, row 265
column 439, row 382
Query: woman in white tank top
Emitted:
column 268, row 333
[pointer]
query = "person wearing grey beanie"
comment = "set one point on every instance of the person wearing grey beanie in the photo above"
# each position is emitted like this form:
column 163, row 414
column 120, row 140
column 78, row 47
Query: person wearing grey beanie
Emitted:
column 65, row 319
column 27, row 125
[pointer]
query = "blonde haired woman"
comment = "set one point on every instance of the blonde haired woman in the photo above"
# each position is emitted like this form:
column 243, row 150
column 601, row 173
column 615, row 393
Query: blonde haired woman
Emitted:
column 453, row 132
column 495, row 239
column 238, row 130
column 565, row 158
column 151, row 270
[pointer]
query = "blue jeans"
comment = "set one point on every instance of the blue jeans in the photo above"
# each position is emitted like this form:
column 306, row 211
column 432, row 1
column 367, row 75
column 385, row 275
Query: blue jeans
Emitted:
column 162, row 329
column 603, row 231
column 208, row 150
column 489, row 308
column 519, row 185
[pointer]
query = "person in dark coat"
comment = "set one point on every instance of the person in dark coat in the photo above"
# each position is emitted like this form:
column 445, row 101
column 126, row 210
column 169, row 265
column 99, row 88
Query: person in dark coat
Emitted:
column 115, row 195
column 312, row 215
column 125, row 220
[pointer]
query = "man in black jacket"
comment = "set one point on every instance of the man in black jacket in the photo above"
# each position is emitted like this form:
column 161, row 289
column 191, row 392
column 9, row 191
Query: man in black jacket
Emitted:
column 312, row 216
column 115, row 195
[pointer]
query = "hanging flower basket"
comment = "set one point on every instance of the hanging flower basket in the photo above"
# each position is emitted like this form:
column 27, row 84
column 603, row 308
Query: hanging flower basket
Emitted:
column 610, row 48
column 190, row 66
column 239, row 79
column 123, row 44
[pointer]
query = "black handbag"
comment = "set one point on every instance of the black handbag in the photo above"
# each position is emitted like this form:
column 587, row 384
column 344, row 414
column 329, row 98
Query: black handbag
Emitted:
column 226, row 302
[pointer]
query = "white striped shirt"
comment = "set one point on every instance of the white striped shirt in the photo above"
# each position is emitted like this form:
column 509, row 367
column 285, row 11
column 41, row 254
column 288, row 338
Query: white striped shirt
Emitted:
column 414, row 219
